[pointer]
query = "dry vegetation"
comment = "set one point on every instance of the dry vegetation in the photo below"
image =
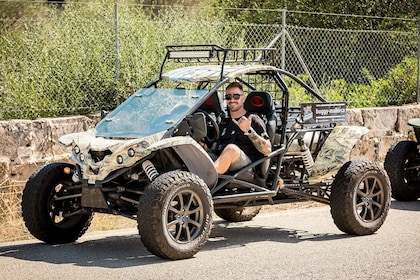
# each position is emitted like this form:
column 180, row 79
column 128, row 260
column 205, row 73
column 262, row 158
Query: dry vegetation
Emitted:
column 13, row 228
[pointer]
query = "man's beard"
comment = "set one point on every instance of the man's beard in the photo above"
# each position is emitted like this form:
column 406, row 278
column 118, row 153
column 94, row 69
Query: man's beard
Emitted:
column 235, row 108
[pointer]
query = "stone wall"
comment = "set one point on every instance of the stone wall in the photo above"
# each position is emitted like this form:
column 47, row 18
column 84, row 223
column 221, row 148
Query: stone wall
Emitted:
column 26, row 145
column 386, row 126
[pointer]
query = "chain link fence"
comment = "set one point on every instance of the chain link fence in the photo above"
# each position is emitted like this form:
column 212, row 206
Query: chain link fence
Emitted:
column 347, row 54
column 83, row 57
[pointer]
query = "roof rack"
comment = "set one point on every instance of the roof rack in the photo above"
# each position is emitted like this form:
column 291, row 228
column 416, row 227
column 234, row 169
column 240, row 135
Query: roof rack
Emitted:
column 215, row 54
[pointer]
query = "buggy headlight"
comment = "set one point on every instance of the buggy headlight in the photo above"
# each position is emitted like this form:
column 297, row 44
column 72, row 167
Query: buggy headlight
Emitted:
column 76, row 150
column 131, row 152
column 82, row 157
column 120, row 159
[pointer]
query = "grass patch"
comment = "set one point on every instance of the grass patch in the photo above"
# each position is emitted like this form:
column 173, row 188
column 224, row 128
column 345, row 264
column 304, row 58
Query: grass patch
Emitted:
column 12, row 225
column 109, row 222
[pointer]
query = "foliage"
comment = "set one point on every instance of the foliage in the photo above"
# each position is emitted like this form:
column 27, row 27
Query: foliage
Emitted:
column 64, row 63
column 313, row 13
column 400, row 85
column 49, row 64
column 58, row 61
column 143, row 38
column 397, row 88
column 297, row 93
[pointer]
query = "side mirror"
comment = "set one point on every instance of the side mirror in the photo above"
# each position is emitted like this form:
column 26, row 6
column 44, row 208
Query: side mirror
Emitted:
column 198, row 126
column 104, row 114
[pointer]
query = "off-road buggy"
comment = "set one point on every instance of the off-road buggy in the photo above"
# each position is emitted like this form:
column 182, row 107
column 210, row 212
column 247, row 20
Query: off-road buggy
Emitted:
column 143, row 160
column 402, row 164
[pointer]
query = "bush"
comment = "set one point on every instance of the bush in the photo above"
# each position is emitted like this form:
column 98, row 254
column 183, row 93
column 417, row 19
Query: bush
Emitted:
column 65, row 63
column 397, row 88
column 54, row 65
column 400, row 86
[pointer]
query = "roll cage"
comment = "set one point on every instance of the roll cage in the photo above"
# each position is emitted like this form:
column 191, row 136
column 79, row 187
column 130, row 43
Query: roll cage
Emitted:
column 212, row 67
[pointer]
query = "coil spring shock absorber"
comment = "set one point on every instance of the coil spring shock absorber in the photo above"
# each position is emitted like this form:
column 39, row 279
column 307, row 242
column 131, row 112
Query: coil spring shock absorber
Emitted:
column 150, row 170
column 307, row 159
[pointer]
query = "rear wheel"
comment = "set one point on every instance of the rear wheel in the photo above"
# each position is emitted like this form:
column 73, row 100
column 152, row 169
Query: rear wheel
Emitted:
column 238, row 214
column 402, row 164
column 360, row 197
column 175, row 215
column 48, row 200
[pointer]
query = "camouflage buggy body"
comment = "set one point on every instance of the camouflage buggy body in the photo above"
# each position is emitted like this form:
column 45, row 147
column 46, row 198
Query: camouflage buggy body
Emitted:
column 143, row 160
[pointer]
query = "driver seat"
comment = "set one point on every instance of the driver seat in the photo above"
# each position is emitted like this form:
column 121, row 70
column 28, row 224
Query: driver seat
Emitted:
column 261, row 103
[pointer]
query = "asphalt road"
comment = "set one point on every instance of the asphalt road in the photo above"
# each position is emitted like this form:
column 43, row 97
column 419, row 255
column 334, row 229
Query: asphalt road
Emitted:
column 292, row 244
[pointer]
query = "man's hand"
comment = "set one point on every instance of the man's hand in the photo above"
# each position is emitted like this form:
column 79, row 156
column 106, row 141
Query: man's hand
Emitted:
column 263, row 145
column 243, row 123
column 203, row 145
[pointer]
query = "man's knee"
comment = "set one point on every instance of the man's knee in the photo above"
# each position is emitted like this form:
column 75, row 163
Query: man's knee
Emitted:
column 230, row 154
column 232, row 148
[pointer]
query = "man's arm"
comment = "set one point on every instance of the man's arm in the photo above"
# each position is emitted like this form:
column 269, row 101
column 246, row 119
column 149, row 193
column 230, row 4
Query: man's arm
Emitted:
column 261, row 142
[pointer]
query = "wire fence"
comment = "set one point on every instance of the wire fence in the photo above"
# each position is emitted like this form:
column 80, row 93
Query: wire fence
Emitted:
column 347, row 54
column 85, row 57
column 78, row 62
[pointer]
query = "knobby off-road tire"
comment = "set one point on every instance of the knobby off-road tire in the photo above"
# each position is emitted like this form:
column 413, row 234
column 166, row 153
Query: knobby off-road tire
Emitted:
column 239, row 214
column 175, row 215
column 360, row 197
column 405, row 180
column 42, row 209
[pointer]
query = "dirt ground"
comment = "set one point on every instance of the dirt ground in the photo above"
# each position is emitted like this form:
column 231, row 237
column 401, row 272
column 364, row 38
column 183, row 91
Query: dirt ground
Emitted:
column 290, row 206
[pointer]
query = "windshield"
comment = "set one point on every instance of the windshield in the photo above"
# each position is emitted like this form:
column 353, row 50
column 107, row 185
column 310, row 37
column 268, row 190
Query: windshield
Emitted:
column 148, row 111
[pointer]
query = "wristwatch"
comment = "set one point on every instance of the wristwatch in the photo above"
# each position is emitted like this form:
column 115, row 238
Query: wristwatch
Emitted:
column 249, row 131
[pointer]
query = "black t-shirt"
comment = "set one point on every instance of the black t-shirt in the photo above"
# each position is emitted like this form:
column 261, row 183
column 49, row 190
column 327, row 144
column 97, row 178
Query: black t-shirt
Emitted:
column 231, row 133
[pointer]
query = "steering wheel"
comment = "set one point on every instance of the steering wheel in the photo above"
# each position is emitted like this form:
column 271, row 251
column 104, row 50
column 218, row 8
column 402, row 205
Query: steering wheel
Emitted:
column 213, row 131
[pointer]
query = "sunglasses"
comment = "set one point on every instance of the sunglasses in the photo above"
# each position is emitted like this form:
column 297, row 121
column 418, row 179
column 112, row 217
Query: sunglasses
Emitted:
column 235, row 96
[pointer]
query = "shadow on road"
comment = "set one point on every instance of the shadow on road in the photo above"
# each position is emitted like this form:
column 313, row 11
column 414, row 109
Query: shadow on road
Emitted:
column 226, row 234
column 126, row 250
column 110, row 252
column 406, row 205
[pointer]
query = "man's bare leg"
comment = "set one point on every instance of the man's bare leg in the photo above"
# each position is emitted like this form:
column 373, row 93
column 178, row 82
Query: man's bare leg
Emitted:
column 230, row 154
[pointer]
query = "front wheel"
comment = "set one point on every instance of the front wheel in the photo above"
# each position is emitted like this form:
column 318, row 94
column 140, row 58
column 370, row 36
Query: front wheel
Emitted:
column 402, row 164
column 175, row 215
column 360, row 197
column 48, row 201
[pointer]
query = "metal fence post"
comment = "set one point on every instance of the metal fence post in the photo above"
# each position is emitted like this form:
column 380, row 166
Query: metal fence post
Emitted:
column 117, row 52
column 283, row 40
column 418, row 61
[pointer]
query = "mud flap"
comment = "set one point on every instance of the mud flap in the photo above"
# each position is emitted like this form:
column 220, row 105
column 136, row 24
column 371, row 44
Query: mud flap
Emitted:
column 93, row 197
